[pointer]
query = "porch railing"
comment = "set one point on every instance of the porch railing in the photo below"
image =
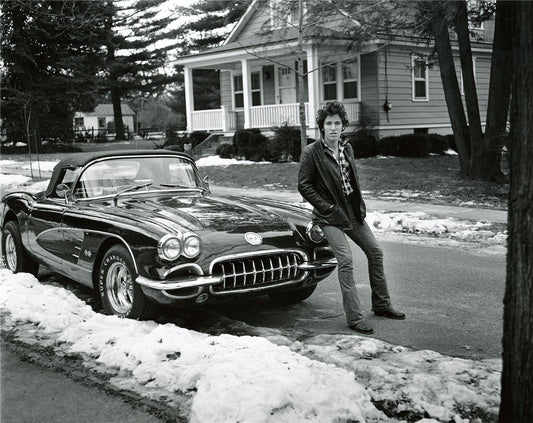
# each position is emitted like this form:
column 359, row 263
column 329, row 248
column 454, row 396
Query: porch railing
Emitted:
column 276, row 114
column 212, row 120
column 267, row 116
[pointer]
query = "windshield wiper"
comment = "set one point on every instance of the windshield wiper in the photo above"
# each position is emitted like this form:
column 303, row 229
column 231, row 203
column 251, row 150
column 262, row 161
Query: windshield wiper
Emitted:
column 132, row 188
column 173, row 186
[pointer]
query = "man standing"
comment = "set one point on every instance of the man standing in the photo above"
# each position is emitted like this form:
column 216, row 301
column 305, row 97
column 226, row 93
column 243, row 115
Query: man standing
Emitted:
column 328, row 180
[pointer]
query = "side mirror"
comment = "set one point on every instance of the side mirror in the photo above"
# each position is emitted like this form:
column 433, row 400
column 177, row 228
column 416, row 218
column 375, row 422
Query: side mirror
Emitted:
column 63, row 191
column 206, row 182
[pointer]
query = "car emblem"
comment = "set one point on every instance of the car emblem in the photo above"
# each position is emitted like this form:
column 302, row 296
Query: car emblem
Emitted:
column 87, row 253
column 253, row 238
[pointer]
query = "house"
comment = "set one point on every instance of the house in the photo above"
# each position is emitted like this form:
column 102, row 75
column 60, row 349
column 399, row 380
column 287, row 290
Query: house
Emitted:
column 101, row 120
column 386, row 84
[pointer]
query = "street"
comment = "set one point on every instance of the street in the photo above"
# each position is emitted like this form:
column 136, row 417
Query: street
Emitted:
column 453, row 300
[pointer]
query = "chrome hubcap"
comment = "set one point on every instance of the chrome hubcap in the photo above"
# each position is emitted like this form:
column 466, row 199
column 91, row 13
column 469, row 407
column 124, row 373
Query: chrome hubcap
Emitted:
column 11, row 252
column 119, row 286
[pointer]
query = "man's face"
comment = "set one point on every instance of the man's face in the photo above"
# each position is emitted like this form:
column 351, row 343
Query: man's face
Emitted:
column 332, row 128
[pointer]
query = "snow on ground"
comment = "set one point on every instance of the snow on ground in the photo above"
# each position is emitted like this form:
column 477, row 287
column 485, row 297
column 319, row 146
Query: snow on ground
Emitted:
column 226, row 378
column 218, row 161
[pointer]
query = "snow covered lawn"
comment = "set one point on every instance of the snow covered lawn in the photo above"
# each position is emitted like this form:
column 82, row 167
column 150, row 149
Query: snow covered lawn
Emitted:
column 226, row 378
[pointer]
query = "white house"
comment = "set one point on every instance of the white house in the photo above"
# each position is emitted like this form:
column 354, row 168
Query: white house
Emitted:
column 97, row 122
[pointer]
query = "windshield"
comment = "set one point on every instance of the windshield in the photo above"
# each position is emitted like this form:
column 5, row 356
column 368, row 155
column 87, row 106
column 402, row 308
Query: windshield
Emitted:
column 110, row 177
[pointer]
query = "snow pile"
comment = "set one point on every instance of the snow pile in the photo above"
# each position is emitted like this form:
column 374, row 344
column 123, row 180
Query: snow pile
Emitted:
column 231, row 378
column 218, row 161
column 329, row 378
column 420, row 223
column 414, row 383
column 9, row 183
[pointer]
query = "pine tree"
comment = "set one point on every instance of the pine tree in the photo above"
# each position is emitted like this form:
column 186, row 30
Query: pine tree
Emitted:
column 208, row 24
column 139, row 38
column 51, row 58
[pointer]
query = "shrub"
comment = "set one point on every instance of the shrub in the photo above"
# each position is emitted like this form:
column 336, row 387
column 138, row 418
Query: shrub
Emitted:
column 175, row 141
column 451, row 142
column 364, row 144
column 438, row 144
column 285, row 143
column 225, row 150
column 409, row 145
column 197, row 137
column 250, row 144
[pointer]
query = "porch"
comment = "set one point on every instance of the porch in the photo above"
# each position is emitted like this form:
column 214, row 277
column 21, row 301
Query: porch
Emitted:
column 266, row 116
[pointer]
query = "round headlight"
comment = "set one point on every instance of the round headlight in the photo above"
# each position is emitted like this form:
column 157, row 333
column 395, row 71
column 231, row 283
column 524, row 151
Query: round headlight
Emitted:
column 314, row 233
column 169, row 247
column 191, row 246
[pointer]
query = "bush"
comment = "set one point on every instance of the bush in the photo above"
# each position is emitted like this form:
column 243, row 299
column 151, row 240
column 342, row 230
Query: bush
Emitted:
column 438, row 144
column 285, row 144
column 175, row 141
column 197, row 137
column 409, row 145
column 250, row 144
column 225, row 151
column 451, row 142
column 364, row 144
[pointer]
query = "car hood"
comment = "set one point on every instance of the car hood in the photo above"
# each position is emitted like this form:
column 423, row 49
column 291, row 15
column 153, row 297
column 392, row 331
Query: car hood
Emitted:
column 199, row 213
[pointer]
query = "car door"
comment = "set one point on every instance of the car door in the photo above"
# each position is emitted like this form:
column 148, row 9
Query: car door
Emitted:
column 44, row 233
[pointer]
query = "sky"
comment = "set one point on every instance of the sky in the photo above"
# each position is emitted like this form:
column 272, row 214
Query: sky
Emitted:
column 264, row 378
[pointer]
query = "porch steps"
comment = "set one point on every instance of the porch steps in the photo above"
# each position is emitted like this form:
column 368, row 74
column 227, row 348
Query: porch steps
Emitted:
column 208, row 147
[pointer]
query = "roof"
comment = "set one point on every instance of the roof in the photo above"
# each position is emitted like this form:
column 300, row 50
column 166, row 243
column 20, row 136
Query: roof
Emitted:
column 107, row 110
column 76, row 160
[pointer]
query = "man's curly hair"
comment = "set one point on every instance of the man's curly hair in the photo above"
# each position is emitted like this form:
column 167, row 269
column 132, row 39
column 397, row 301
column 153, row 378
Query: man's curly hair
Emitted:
column 331, row 108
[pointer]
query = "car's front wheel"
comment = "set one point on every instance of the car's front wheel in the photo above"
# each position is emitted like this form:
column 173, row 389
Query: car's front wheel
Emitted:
column 292, row 297
column 14, row 255
column 120, row 294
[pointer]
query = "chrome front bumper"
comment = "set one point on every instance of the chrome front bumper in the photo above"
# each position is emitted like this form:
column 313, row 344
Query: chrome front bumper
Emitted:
column 195, row 281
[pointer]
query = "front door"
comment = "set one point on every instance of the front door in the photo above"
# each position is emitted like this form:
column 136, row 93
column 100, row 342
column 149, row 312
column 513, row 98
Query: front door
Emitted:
column 287, row 86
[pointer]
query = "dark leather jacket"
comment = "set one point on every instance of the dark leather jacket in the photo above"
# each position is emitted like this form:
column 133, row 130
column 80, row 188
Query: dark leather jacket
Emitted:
column 319, row 182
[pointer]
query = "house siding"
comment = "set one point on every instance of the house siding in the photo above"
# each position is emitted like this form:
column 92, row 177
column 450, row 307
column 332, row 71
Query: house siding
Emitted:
column 369, row 88
column 225, row 90
column 255, row 26
column 397, row 82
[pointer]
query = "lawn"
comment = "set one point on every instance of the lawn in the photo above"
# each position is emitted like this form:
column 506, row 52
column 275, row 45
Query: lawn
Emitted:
column 432, row 179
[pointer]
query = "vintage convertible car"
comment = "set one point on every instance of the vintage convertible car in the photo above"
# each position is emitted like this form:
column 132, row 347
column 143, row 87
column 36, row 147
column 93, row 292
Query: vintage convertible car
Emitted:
column 143, row 228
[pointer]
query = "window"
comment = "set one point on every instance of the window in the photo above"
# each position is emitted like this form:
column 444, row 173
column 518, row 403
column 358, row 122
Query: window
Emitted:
column 350, row 76
column 420, row 79
column 78, row 122
column 101, row 122
column 329, row 78
column 256, row 88
column 238, row 93
column 238, row 90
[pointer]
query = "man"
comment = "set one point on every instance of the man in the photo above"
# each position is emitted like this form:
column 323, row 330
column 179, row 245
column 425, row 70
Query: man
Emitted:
column 328, row 180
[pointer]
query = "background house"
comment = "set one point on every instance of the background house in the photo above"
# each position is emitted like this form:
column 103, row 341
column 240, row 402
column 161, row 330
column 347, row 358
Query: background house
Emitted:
column 101, row 121
column 389, row 85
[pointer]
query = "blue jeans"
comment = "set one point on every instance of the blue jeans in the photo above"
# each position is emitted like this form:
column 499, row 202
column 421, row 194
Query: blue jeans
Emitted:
column 362, row 235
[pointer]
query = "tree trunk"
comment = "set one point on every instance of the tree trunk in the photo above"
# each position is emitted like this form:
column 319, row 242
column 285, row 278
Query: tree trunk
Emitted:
column 517, row 377
column 499, row 91
column 451, row 91
column 301, row 107
column 117, row 110
column 113, row 78
column 469, row 83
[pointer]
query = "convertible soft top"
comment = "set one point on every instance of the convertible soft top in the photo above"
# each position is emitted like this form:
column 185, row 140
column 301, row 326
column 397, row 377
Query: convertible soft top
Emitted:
column 76, row 160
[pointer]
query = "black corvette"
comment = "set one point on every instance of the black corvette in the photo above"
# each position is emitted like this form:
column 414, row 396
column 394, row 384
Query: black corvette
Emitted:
column 143, row 228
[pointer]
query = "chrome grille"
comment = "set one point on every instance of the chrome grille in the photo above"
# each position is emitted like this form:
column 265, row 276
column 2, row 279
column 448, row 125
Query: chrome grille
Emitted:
column 252, row 271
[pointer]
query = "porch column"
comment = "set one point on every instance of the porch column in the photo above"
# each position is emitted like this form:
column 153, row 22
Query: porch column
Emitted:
column 313, row 84
column 246, row 93
column 189, row 97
